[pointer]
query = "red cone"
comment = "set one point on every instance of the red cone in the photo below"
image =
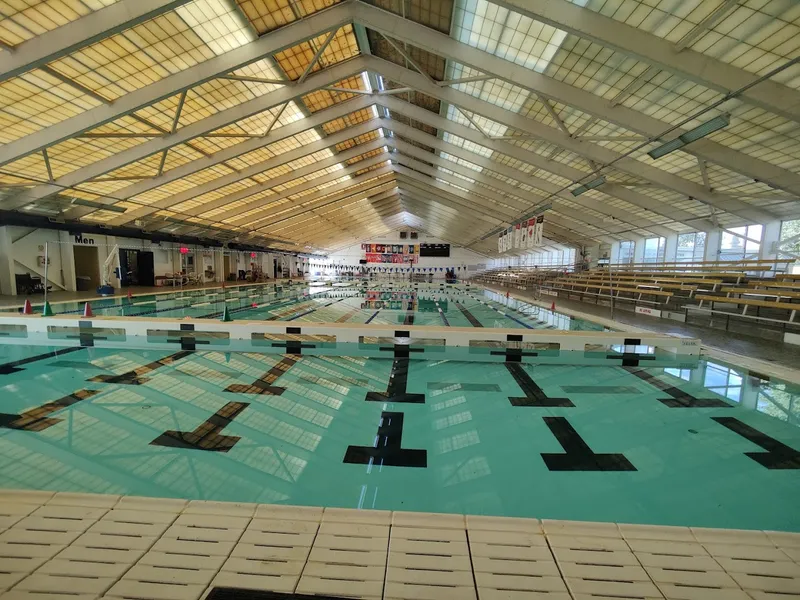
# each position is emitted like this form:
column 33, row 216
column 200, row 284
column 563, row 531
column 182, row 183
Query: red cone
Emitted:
column 553, row 306
column 87, row 311
column 27, row 309
column 130, row 296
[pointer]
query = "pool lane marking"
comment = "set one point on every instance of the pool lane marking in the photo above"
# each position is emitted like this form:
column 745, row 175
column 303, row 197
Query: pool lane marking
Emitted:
column 134, row 377
column 387, row 449
column 470, row 317
column 678, row 398
column 263, row 385
column 534, row 395
column 375, row 314
column 38, row 419
column 11, row 367
column 346, row 316
column 208, row 435
column 578, row 456
column 441, row 314
column 777, row 456
column 308, row 312
column 497, row 310
column 396, row 388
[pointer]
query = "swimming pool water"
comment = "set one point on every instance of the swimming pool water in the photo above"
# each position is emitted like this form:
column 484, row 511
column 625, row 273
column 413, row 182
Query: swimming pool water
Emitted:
column 380, row 303
column 693, row 444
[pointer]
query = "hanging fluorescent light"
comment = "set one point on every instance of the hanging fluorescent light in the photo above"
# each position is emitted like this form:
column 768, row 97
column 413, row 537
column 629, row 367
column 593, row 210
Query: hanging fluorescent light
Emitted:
column 595, row 183
column 693, row 135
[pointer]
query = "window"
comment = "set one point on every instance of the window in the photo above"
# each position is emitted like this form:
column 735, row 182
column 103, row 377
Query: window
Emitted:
column 654, row 249
column 691, row 247
column 740, row 243
column 790, row 239
column 626, row 252
column 724, row 381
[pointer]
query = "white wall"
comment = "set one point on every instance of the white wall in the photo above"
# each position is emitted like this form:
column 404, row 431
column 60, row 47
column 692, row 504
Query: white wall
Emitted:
column 459, row 257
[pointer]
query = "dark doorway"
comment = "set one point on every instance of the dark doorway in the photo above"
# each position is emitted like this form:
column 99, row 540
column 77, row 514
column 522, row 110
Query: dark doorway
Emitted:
column 275, row 268
column 87, row 268
column 147, row 273
column 137, row 268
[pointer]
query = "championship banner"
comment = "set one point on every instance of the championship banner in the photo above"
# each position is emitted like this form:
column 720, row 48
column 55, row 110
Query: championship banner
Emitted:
column 531, row 227
column 500, row 243
column 517, row 235
column 510, row 238
column 524, row 236
column 504, row 237
column 538, row 230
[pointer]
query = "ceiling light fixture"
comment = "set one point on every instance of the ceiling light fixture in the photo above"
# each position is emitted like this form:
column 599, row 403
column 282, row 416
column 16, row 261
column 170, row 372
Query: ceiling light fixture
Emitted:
column 594, row 183
column 690, row 136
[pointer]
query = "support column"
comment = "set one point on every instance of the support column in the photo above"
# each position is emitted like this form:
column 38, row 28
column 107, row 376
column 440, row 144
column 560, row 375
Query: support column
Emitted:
column 67, row 249
column 769, row 242
column 8, row 284
column 638, row 250
column 713, row 238
column 671, row 248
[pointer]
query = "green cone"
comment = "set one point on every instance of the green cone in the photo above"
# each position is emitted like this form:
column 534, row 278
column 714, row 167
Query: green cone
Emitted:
column 47, row 311
column 226, row 315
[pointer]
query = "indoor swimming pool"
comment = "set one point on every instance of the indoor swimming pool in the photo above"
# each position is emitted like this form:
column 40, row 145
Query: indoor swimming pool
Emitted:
column 691, row 443
column 358, row 302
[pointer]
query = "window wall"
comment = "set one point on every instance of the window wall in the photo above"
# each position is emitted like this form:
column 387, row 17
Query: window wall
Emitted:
column 741, row 243
column 654, row 250
column 691, row 247
column 626, row 249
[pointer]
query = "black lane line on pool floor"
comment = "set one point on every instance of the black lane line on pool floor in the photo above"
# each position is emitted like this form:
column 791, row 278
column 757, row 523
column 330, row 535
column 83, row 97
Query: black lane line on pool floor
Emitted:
column 38, row 419
column 388, row 450
column 134, row 377
column 263, row 385
column 396, row 388
column 470, row 317
column 441, row 313
column 578, row 456
column 678, row 398
column 229, row 593
column 12, row 367
column 777, row 456
column 534, row 395
column 208, row 435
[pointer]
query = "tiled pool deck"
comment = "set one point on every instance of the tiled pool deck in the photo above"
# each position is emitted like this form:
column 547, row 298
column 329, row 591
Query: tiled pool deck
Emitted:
column 56, row 546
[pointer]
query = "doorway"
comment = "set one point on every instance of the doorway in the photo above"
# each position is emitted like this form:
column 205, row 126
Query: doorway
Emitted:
column 137, row 268
column 147, row 271
column 226, row 267
column 274, row 268
column 87, row 268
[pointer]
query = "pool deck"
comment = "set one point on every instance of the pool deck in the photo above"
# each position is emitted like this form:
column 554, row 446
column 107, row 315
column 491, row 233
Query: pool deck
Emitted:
column 64, row 296
column 70, row 546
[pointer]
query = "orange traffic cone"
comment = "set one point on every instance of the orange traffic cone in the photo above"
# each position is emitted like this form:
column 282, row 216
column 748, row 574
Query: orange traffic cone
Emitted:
column 27, row 309
column 87, row 311
column 130, row 296
column 553, row 306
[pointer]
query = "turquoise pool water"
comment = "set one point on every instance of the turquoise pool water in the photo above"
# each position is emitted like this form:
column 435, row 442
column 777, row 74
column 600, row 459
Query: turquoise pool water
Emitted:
column 350, row 302
column 694, row 443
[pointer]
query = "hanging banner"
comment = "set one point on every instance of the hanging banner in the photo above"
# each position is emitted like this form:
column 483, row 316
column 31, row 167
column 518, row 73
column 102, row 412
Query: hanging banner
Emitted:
column 538, row 230
column 500, row 243
column 531, row 227
column 517, row 235
column 523, row 243
column 509, row 238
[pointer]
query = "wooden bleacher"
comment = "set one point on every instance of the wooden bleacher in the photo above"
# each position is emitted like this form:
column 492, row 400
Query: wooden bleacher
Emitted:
column 755, row 292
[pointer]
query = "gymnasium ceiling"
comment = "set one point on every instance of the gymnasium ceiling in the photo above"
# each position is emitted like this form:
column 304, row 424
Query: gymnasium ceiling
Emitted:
column 308, row 125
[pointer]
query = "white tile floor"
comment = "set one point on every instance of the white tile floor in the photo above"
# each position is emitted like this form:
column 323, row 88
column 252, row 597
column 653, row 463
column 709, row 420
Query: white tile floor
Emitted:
column 57, row 546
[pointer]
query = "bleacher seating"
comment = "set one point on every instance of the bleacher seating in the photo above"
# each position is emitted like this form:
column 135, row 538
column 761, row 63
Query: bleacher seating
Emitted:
column 752, row 291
